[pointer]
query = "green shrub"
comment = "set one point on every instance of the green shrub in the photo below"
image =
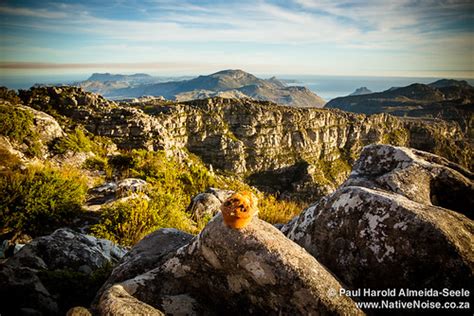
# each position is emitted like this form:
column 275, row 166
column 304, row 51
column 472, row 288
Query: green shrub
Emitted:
column 9, row 95
column 102, row 145
column 76, row 141
column 278, row 211
column 129, row 221
column 8, row 160
column 126, row 222
column 39, row 200
column 18, row 125
column 96, row 163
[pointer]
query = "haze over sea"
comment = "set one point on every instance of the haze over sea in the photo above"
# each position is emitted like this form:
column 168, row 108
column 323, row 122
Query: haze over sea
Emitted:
column 328, row 87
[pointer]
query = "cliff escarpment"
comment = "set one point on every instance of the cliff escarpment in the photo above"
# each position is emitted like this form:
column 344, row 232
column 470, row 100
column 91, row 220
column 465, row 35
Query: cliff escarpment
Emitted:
column 276, row 148
column 287, row 149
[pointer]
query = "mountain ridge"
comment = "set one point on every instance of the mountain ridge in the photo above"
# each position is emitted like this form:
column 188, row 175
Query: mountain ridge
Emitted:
column 232, row 83
column 446, row 99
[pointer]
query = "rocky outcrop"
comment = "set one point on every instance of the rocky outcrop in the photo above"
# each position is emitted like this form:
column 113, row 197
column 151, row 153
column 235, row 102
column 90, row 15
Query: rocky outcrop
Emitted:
column 227, row 271
column 56, row 272
column 128, row 127
column 64, row 99
column 391, row 215
column 271, row 144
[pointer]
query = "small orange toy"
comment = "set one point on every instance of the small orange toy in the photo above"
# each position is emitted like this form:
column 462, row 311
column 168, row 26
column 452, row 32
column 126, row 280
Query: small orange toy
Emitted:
column 239, row 209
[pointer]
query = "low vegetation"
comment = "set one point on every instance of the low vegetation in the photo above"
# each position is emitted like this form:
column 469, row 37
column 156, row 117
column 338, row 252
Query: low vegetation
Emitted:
column 128, row 221
column 277, row 211
column 76, row 141
column 18, row 125
column 39, row 199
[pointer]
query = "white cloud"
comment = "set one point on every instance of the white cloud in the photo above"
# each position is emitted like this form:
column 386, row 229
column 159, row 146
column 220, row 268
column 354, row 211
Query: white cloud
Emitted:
column 36, row 13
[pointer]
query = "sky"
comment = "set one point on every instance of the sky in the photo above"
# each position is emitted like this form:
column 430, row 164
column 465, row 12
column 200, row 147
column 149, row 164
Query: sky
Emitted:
column 420, row 38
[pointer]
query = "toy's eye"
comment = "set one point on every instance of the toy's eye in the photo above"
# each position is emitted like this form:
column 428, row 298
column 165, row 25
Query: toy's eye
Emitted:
column 227, row 203
column 242, row 209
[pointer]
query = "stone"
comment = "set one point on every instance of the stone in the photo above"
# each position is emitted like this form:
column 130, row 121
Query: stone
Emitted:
column 36, row 276
column 383, row 219
column 130, row 185
column 78, row 311
column 226, row 271
column 46, row 125
column 207, row 203
column 117, row 301
column 147, row 253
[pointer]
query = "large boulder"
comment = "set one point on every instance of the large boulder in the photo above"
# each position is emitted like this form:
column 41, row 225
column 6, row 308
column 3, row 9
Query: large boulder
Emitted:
column 56, row 272
column 381, row 229
column 420, row 176
column 227, row 271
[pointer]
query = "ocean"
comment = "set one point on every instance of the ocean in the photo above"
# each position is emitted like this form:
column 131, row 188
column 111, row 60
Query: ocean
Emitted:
column 327, row 87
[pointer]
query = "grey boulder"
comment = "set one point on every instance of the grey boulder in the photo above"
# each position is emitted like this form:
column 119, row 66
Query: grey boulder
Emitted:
column 53, row 273
column 382, row 228
column 226, row 271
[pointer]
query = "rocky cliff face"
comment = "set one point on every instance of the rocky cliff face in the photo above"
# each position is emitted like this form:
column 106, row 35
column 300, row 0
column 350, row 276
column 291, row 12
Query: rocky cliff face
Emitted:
column 285, row 148
column 290, row 149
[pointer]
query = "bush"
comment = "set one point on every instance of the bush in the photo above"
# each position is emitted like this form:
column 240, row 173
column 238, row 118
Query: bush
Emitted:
column 18, row 125
column 76, row 141
column 37, row 201
column 9, row 95
column 127, row 222
column 8, row 160
column 278, row 211
column 96, row 163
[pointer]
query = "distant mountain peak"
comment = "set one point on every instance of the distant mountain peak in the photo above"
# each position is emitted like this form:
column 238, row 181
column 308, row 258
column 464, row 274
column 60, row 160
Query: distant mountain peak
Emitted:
column 96, row 76
column 361, row 91
column 230, row 72
column 444, row 83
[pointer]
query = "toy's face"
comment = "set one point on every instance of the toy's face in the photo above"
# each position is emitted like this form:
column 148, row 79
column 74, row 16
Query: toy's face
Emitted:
column 239, row 209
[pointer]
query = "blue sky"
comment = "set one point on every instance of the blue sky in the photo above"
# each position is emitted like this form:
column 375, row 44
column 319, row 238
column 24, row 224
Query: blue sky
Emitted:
column 371, row 37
